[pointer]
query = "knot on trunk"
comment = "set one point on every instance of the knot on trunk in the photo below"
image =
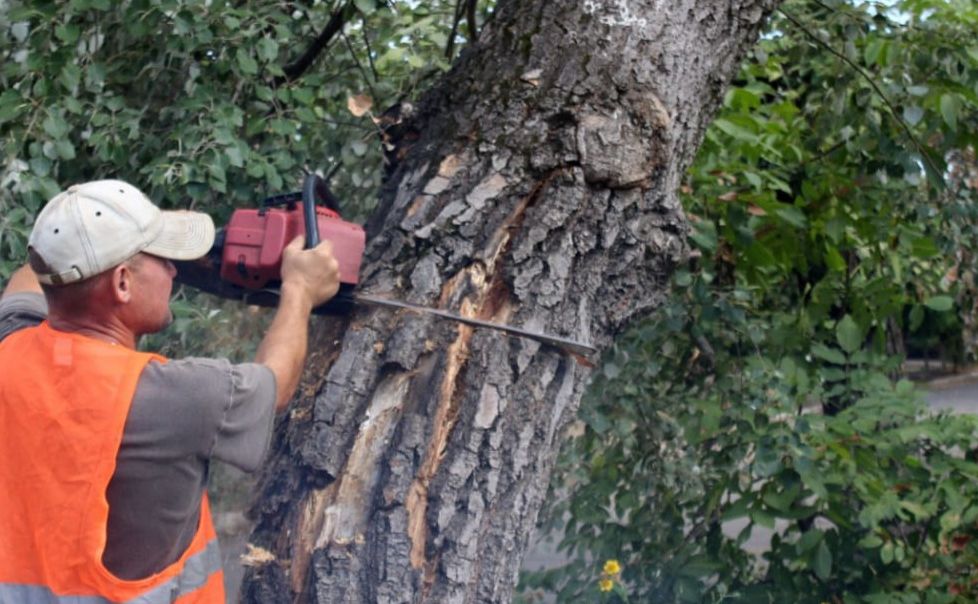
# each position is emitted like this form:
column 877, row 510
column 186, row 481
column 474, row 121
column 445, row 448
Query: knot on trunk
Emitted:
column 623, row 149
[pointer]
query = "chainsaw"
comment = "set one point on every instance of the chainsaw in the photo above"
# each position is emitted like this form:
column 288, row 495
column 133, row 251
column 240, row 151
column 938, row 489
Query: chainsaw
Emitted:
column 246, row 259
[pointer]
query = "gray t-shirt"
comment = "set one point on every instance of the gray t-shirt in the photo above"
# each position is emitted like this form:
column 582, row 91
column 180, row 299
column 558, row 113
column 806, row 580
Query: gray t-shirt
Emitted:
column 184, row 413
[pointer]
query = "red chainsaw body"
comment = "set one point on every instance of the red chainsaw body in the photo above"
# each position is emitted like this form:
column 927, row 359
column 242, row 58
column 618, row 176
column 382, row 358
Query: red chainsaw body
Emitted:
column 254, row 240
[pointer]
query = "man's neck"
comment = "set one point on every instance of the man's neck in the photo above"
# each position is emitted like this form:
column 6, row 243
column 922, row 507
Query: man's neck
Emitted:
column 106, row 330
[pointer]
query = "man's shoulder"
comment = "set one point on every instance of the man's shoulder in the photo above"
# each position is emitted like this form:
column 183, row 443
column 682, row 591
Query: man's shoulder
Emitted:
column 200, row 374
column 209, row 407
column 21, row 310
column 198, row 383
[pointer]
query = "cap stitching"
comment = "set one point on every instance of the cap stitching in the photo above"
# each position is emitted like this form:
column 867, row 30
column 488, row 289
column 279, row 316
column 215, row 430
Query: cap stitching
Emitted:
column 86, row 241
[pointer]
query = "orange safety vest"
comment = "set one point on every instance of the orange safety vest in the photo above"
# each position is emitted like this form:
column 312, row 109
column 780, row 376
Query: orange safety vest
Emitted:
column 64, row 399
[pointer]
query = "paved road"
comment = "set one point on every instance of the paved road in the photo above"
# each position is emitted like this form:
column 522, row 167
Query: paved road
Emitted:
column 958, row 393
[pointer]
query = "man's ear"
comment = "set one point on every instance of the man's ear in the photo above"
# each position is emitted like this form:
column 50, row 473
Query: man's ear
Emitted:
column 122, row 283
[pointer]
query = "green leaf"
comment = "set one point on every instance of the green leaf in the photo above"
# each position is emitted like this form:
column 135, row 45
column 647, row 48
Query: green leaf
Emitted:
column 699, row 566
column 873, row 51
column 738, row 509
column 267, row 49
column 304, row 95
column 917, row 315
column 246, row 63
column 67, row 33
column 65, row 149
column 235, row 157
column 218, row 177
column 822, row 564
column 793, row 216
column 924, row 247
column 705, row 236
column 808, row 541
column 70, row 77
column 912, row 114
column 11, row 105
column 828, row 354
column 55, row 126
column 849, row 335
column 762, row 518
column 950, row 108
column 940, row 303
column 886, row 552
column 366, row 6
column 737, row 132
column 834, row 260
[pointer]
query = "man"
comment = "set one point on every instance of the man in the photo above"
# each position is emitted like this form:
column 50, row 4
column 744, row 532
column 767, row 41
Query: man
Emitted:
column 103, row 449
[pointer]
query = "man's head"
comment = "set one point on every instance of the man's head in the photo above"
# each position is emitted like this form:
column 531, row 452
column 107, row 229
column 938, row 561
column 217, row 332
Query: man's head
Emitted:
column 103, row 247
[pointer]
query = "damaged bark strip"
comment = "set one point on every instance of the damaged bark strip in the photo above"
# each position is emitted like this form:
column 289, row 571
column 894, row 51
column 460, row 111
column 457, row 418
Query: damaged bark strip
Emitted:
column 337, row 515
column 444, row 421
column 310, row 526
column 539, row 185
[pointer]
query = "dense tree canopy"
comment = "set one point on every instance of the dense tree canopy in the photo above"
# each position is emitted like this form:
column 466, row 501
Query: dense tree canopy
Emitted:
column 213, row 103
column 208, row 105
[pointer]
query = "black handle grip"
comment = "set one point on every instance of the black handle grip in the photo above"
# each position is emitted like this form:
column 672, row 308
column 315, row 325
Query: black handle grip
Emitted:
column 309, row 187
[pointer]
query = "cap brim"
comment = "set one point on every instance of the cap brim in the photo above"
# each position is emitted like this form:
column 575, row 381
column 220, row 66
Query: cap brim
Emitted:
column 185, row 236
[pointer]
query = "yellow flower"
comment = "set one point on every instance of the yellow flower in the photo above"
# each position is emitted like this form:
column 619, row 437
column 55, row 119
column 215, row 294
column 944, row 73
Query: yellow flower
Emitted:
column 611, row 567
column 606, row 584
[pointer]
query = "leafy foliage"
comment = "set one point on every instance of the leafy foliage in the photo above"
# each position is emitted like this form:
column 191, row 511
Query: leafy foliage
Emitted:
column 834, row 227
column 205, row 104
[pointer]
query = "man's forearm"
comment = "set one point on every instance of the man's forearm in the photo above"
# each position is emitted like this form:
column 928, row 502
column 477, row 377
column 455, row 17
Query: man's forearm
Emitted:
column 23, row 281
column 283, row 349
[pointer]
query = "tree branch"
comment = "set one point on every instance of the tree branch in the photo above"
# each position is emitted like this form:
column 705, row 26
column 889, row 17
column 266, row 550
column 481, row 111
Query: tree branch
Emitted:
column 300, row 65
column 470, row 18
column 370, row 53
column 450, row 47
column 363, row 72
column 886, row 101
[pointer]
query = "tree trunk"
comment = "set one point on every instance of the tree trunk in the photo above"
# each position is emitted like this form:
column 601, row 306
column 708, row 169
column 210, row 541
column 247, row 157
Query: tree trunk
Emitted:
column 534, row 185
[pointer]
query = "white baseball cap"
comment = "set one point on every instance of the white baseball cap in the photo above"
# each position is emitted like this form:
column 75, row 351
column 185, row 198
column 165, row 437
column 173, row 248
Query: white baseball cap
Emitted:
column 95, row 226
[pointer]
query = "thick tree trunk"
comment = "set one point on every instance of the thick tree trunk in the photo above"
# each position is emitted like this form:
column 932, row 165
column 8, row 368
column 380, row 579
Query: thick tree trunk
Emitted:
column 539, row 190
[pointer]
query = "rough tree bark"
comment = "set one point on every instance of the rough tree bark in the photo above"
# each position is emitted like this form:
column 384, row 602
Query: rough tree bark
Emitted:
column 535, row 185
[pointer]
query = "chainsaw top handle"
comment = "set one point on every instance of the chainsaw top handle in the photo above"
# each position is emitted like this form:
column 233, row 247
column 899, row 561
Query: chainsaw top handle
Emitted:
column 312, row 185
column 314, row 190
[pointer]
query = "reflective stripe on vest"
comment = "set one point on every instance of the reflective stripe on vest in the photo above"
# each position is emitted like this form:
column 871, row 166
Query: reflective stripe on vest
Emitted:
column 198, row 569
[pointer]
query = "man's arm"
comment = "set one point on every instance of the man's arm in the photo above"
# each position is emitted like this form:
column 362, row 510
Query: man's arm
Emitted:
column 22, row 304
column 22, row 281
column 309, row 278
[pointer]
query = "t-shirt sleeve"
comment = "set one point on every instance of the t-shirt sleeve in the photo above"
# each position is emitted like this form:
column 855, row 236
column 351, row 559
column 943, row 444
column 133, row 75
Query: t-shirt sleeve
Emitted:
column 206, row 407
column 17, row 311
